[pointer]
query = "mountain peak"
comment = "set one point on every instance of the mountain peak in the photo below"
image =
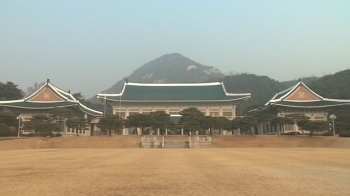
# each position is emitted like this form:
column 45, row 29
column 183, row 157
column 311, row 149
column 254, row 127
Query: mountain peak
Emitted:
column 171, row 68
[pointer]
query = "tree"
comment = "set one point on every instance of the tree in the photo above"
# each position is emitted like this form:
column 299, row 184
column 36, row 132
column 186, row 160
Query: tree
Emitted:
column 40, row 118
column 60, row 114
column 160, row 120
column 139, row 121
column 46, row 128
column 262, row 116
column 223, row 124
column 191, row 119
column 300, row 119
column 342, row 122
column 4, row 130
column 9, row 119
column 79, row 124
column 235, row 123
column 41, row 124
column 246, row 123
column 111, row 123
column 9, row 91
column 34, row 88
column 281, row 121
column 210, row 123
column 316, row 126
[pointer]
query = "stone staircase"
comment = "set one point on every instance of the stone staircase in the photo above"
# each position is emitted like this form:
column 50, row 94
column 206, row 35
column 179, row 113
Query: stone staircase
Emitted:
column 176, row 144
column 153, row 141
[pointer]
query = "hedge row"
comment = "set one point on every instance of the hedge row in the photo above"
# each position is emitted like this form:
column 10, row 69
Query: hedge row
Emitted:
column 344, row 134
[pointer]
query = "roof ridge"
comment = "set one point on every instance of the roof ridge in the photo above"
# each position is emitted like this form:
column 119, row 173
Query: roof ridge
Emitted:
column 173, row 84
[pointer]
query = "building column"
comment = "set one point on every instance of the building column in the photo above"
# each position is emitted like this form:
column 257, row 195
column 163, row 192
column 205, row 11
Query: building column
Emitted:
column 157, row 131
column 234, row 112
column 166, row 131
column 182, row 131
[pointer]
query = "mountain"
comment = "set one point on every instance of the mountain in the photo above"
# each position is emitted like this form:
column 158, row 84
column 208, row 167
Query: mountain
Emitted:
column 175, row 68
column 170, row 68
column 306, row 80
column 262, row 88
column 335, row 86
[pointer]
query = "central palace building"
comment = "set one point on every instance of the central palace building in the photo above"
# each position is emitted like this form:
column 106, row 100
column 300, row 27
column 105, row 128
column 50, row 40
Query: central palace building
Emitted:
column 209, row 98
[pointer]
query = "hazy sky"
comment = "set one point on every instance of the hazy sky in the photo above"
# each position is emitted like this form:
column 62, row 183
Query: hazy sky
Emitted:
column 87, row 46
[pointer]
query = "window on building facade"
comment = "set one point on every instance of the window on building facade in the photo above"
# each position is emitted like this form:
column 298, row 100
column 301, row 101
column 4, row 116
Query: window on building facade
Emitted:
column 214, row 114
column 227, row 114
column 319, row 118
column 121, row 114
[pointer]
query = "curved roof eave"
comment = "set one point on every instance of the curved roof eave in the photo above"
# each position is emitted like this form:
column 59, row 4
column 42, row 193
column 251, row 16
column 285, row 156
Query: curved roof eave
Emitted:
column 226, row 100
column 322, row 106
column 89, row 110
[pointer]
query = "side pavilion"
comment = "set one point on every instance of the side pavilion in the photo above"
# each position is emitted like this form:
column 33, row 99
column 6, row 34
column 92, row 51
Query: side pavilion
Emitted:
column 300, row 99
column 210, row 98
column 45, row 99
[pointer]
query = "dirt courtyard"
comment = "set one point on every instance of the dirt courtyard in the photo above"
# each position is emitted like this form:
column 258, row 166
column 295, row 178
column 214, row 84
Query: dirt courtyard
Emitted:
column 235, row 171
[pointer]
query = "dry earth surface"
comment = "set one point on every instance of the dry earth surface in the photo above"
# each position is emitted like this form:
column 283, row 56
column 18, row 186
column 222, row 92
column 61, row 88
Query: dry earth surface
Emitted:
column 216, row 171
column 132, row 141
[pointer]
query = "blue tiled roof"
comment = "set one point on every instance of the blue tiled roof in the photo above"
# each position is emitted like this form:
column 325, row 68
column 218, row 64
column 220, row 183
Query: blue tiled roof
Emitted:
column 188, row 92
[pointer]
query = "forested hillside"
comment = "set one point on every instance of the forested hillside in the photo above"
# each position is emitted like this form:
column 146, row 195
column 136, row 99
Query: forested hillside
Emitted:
column 306, row 80
column 262, row 88
column 335, row 86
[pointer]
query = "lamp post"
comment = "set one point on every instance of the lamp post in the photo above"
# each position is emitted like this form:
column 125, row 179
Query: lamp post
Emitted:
column 279, row 115
column 85, row 118
column 19, row 117
column 333, row 117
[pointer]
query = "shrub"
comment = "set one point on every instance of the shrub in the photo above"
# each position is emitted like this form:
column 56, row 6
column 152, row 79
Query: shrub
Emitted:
column 291, row 133
column 328, row 133
column 344, row 134
column 33, row 135
column 4, row 130
column 55, row 135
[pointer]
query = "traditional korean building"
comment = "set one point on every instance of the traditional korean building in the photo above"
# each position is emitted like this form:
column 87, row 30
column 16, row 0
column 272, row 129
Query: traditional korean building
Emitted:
column 45, row 99
column 210, row 98
column 299, row 99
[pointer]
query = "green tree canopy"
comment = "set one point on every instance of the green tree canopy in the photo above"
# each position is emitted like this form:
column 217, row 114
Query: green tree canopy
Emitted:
column 223, row 124
column 45, row 127
column 210, row 123
column 300, row 119
column 111, row 123
column 139, row 121
column 9, row 119
column 246, row 123
column 316, row 126
column 41, row 124
column 77, row 124
column 9, row 91
column 161, row 120
column 61, row 114
column 191, row 119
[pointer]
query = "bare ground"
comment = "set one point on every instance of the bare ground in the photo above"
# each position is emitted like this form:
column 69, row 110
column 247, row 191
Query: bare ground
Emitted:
column 132, row 141
column 220, row 171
